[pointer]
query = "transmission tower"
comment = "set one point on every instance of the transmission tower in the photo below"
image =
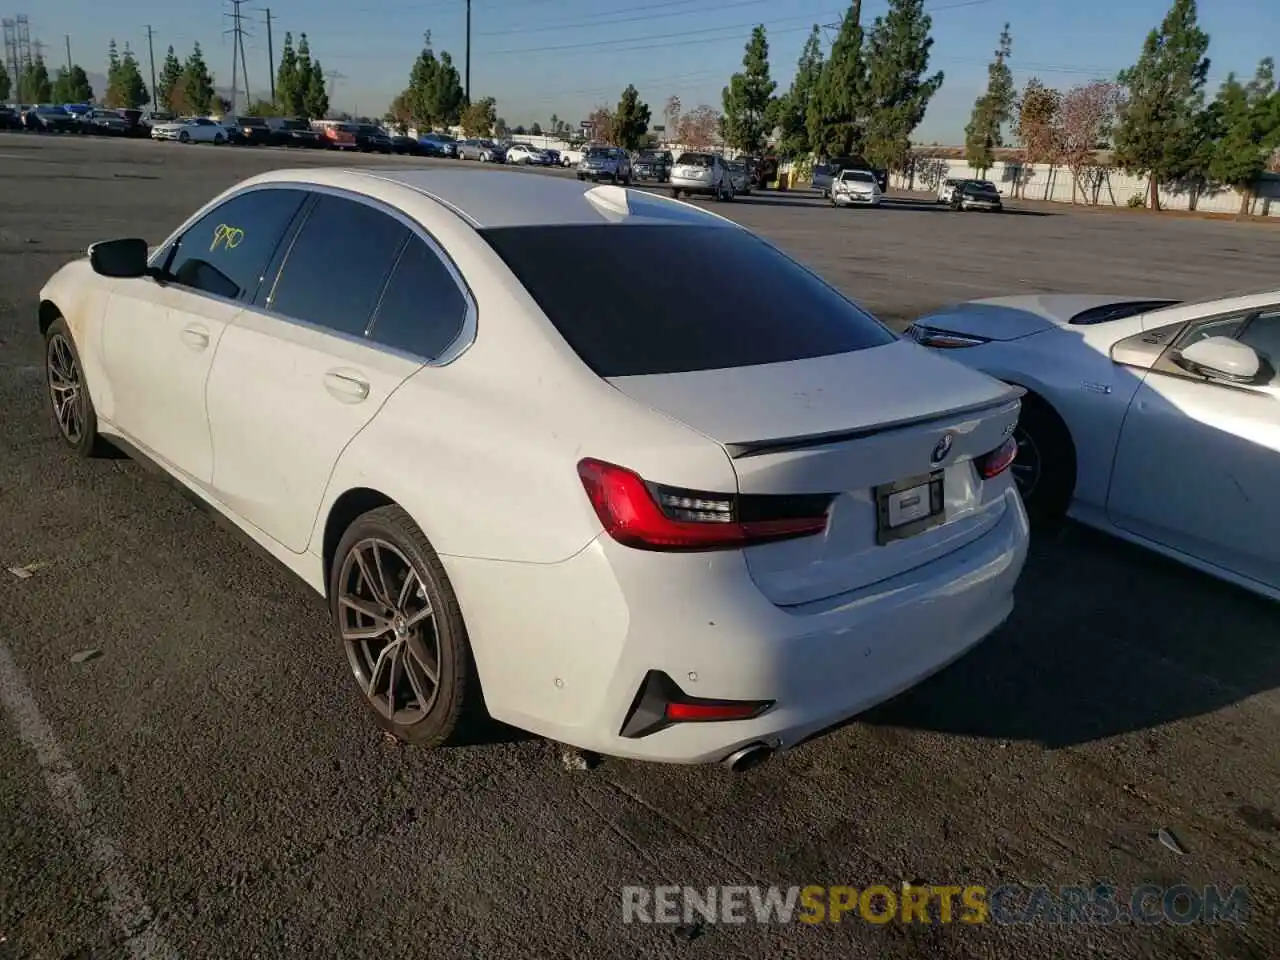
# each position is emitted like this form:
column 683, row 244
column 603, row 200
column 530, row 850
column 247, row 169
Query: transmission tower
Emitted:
column 24, row 42
column 11, row 63
column 239, row 68
column 333, row 76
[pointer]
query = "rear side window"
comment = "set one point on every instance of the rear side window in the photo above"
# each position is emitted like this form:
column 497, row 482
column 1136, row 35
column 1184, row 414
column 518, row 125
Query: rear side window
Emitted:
column 338, row 265
column 422, row 310
column 227, row 250
column 714, row 297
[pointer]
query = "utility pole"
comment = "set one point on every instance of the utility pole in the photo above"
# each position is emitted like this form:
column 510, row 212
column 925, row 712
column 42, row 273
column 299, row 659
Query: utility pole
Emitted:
column 271, row 57
column 151, row 52
column 68, row 39
column 333, row 76
column 467, row 89
column 38, row 45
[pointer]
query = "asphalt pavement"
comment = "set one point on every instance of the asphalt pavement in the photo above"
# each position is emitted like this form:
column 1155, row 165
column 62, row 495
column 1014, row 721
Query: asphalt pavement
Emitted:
column 186, row 770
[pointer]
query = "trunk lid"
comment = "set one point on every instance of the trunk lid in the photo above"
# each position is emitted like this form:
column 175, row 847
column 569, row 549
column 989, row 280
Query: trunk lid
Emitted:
column 846, row 425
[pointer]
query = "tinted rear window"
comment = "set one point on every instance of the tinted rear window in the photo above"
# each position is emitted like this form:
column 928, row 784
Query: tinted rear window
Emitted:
column 711, row 298
column 694, row 160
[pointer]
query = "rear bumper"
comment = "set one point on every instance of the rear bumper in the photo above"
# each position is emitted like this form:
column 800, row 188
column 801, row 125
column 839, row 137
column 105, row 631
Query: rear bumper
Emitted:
column 563, row 649
column 691, row 186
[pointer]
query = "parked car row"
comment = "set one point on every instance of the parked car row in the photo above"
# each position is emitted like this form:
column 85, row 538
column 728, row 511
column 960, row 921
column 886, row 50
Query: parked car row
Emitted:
column 73, row 118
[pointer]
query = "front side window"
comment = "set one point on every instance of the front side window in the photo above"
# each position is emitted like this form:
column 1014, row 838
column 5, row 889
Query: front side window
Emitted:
column 227, row 250
column 337, row 266
column 423, row 309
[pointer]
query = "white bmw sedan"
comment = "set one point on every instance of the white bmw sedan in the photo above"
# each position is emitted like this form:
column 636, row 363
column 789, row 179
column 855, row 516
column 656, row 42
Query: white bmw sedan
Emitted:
column 689, row 535
column 1153, row 420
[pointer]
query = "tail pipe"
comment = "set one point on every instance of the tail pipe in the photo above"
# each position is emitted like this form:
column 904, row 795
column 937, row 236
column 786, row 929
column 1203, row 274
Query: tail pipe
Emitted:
column 748, row 757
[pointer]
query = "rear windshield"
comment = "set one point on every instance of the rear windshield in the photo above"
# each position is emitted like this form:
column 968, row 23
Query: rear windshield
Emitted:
column 297, row 125
column 252, row 122
column 694, row 160
column 599, row 152
column 748, row 304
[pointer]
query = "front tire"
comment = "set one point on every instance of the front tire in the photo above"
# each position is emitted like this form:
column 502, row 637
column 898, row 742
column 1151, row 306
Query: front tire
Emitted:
column 219, row 140
column 69, row 399
column 400, row 624
column 184, row 137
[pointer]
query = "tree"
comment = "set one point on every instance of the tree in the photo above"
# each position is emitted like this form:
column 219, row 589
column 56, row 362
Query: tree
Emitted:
column 837, row 125
column 630, row 120
column 748, row 99
column 4, row 83
column 400, row 114
column 1037, row 122
column 125, row 87
column 34, row 85
column 536, row 129
column 315, row 103
column 290, row 86
column 1085, row 117
column 479, row 118
column 992, row 110
column 500, row 128
column 898, row 92
column 72, row 86
column 168, row 82
column 601, row 122
column 801, row 99
column 195, row 90
column 422, row 85
column 699, row 127
column 260, row 108
column 447, row 96
column 1157, row 132
column 1245, row 131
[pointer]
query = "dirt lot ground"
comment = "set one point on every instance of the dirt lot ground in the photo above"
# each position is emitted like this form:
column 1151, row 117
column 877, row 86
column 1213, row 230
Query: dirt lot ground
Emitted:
column 209, row 786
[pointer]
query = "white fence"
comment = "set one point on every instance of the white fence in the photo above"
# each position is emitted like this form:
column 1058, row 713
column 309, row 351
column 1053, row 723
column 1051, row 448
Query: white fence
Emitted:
column 1099, row 185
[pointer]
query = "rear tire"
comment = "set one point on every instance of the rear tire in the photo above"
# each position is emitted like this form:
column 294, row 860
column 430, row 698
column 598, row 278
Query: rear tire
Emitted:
column 404, row 555
column 1045, row 468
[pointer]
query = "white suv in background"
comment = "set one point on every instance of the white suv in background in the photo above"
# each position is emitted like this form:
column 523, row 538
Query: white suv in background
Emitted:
column 705, row 174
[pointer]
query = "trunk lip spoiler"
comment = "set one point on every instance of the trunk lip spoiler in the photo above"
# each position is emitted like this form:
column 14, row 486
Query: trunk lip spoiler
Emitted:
column 757, row 448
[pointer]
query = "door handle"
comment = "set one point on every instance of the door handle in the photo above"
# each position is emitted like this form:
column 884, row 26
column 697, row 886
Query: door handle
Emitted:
column 346, row 385
column 195, row 337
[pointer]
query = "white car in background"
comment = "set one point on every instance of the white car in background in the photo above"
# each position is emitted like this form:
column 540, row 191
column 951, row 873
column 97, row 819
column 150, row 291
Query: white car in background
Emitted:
column 702, row 174
column 523, row 153
column 855, row 188
column 192, row 130
column 1153, row 420
column 570, row 157
column 687, row 535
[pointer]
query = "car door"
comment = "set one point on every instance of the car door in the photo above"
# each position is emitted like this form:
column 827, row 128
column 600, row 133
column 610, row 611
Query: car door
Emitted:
column 1198, row 460
column 160, row 335
column 296, row 377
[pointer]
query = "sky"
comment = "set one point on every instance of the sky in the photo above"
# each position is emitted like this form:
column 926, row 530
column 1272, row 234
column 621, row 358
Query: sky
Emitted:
column 564, row 57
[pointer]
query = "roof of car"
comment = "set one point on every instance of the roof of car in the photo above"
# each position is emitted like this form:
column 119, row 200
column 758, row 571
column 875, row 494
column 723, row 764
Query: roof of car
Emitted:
column 499, row 198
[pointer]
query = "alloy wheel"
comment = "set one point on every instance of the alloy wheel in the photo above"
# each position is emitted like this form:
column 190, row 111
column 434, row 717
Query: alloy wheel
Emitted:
column 1026, row 467
column 65, row 389
column 388, row 627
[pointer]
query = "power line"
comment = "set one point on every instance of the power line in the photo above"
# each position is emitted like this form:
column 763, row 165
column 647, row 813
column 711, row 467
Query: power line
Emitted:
column 599, row 22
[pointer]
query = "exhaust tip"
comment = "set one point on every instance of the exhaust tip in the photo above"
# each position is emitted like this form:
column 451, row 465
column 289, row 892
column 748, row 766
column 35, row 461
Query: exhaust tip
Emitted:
column 748, row 757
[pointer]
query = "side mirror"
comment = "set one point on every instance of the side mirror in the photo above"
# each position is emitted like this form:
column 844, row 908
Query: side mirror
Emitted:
column 1222, row 357
column 119, row 258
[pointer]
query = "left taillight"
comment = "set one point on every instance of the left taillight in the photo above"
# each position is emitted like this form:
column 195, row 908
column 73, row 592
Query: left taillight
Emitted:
column 651, row 516
column 998, row 460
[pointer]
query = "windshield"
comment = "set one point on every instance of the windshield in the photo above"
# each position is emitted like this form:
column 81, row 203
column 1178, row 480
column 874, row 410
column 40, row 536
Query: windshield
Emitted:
column 860, row 175
column 600, row 153
column 749, row 304
column 297, row 125
column 979, row 188
column 695, row 160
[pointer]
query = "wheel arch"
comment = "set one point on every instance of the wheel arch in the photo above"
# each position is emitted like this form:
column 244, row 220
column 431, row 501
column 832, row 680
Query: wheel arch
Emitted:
column 350, row 506
column 1036, row 398
column 47, row 313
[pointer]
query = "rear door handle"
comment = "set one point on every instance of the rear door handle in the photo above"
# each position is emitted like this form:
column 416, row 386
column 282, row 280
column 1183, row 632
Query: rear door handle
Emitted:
column 346, row 385
column 195, row 337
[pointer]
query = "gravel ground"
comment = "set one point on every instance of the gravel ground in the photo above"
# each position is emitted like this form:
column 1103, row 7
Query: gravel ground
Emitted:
column 210, row 786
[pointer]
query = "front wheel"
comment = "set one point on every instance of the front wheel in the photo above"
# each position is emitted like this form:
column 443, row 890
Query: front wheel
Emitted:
column 401, row 627
column 1045, row 467
column 219, row 139
column 184, row 137
column 72, row 407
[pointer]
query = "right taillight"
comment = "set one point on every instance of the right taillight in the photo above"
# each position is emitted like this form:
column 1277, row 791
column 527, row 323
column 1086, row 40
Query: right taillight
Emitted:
column 650, row 516
column 998, row 460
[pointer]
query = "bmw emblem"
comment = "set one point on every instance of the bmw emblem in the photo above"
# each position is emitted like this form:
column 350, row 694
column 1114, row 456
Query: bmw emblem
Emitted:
column 942, row 449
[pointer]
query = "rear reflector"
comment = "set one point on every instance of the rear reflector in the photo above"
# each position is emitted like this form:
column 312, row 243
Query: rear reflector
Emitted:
column 999, row 460
column 650, row 516
column 660, row 703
